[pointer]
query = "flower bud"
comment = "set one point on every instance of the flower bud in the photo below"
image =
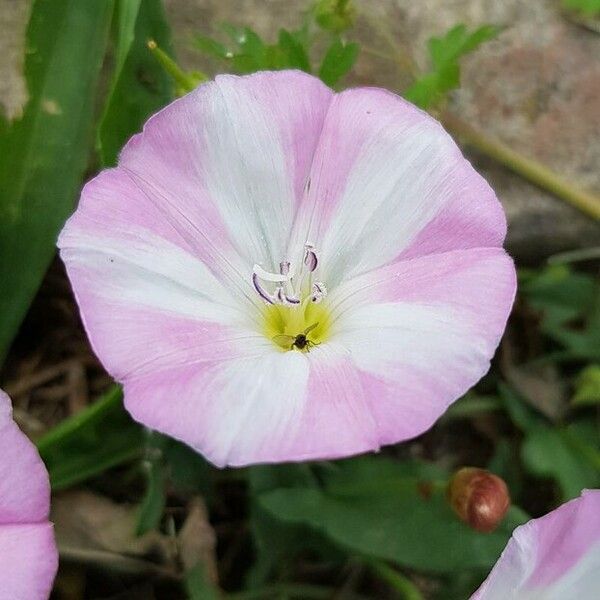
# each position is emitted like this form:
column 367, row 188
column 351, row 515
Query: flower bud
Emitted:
column 479, row 498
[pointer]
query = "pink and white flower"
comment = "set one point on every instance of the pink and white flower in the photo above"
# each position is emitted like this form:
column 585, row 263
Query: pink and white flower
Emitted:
column 556, row 557
column 277, row 272
column 28, row 555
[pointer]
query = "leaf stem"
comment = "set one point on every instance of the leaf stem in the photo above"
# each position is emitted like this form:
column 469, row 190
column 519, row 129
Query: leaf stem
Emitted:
column 395, row 579
column 528, row 168
column 183, row 80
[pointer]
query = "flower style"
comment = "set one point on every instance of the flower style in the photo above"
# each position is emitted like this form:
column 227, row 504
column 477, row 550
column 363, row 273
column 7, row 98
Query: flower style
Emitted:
column 555, row 557
column 277, row 272
column 28, row 555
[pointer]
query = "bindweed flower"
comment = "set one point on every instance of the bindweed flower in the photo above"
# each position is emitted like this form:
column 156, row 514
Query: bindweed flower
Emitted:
column 276, row 272
column 556, row 557
column 479, row 498
column 28, row 555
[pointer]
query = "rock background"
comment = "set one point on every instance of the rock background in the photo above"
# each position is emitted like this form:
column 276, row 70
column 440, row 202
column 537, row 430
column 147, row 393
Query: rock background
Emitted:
column 537, row 88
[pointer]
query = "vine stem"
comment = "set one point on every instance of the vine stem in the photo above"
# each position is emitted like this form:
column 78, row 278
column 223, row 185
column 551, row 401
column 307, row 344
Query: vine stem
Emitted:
column 528, row 168
column 398, row 582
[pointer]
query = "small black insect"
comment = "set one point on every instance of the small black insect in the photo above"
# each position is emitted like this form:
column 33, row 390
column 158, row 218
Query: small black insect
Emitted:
column 300, row 341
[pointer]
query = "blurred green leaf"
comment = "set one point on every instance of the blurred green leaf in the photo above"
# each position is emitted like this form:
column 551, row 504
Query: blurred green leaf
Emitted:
column 199, row 586
column 587, row 387
column 586, row 7
column 90, row 442
column 569, row 304
column 187, row 470
column 126, row 15
column 296, row 56
column 211, row 47
column 251, row 53
column 140, row 86
column 519, row 412
column 273, row 540
column 563, row 455
column 338, row 60
column 373, row 508
column 44, row 154
column 445, row 53
column 335, row 15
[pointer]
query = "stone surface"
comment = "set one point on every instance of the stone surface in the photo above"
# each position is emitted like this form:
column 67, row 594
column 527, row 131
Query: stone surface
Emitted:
column 537, row 88
column 14, row 15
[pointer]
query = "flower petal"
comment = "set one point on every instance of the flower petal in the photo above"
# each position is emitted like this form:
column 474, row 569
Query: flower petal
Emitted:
column 278, row 406
column 147, row 303
column 555, row 557
column 24, row 485
column 423, row 331
column 387, row 180
column 28, row 561
column 233, row 158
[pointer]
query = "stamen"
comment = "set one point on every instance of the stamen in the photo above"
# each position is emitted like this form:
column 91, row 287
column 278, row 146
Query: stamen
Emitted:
column 287, row 291
column 319, row 291
column 310, row 258
column 261, row 292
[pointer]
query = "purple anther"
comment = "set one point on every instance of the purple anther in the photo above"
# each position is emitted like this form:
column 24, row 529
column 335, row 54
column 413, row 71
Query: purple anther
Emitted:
column 284, row 267
column 261, row 292
column 310, row 258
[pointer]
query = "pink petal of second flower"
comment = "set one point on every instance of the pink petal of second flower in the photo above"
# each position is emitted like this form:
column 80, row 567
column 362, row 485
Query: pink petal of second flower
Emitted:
column 24, row 485
column 28, row 561
column 556, row 556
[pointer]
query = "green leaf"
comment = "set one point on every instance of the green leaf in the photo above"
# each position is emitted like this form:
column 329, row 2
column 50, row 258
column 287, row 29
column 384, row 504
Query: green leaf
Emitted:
column 253, row 52
column 457, row 42
column 211, row 47
column 296, row 57
column 339, row 59
column 521, row 415
column 335, row 15
column 274, row 541
column 562, row 455
column 126, row 17
column 569, row 304
column 45, row 153
column 90, row 442
column 587, row 388
column 199, row 586
column 586, row 7
column 386, row 515
column 188, row 471
column 445, row 53
column 140, row 85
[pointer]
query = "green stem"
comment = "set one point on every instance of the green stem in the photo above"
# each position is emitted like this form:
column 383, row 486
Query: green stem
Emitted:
column 185, row 81
column 89, row 415
column 528, row 168
column 395, row 579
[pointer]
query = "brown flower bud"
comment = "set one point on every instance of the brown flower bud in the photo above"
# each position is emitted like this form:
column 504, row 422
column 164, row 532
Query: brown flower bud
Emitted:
column 479, row 498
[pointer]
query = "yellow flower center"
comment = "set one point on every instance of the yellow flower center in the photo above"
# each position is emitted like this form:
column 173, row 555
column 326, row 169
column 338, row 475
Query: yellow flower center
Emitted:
column 297, row 327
